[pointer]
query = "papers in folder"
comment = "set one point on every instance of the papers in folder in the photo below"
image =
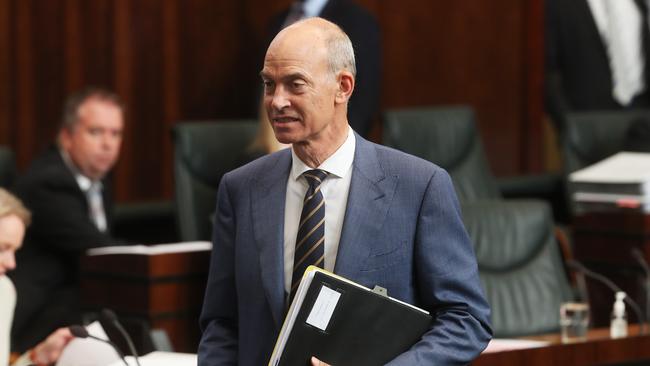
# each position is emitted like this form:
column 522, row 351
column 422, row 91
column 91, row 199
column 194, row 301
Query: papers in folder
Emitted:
column 503, row 344
column 344, row 323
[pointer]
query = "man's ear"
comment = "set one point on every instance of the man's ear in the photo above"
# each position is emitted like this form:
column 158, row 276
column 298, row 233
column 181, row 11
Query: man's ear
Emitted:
column 345, row 81
column 65, row 138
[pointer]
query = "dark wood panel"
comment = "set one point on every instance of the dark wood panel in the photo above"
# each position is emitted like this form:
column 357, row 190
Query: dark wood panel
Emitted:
column 171, row 89
column 598, row 349
column 23, row 81
column 165, row 290
column 199, row 59
column 5, row 75
column 461, row 52
column 531, row 140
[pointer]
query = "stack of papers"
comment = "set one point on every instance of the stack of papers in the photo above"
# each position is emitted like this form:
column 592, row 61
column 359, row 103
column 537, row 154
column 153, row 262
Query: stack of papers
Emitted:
column 502, row 345
column 620, row 182
column 185, row 247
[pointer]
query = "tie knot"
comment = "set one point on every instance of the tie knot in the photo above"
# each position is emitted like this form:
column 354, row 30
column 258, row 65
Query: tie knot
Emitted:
column 315, row 177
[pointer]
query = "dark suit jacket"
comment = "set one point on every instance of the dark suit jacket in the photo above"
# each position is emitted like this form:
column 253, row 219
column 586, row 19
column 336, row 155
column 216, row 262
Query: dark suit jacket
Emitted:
column 364, row 32
column 402, row 231
column 60, row 231
column 578, row 76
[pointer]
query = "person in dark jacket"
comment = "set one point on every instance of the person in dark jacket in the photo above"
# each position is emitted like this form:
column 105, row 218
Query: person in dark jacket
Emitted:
column 69, row 196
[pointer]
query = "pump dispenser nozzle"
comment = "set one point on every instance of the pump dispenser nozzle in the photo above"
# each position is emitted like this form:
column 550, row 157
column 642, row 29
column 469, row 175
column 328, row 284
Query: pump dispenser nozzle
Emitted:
column 618, row 326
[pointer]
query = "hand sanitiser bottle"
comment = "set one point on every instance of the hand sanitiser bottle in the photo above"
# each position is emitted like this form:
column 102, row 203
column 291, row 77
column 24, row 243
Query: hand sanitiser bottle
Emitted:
column 618, row 326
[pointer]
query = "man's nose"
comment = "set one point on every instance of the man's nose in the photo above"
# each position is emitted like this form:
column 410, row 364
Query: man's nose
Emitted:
column 8, row 261
column 280, row 100
column 109, row 141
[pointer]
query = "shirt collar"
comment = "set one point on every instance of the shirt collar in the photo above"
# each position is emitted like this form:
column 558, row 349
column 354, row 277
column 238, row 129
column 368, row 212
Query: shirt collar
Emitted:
column 338, row 164
column 313, row 8
column 83, row 182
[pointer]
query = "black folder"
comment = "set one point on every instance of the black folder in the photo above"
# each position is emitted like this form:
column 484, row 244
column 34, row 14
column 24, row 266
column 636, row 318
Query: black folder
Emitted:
column 343, row 323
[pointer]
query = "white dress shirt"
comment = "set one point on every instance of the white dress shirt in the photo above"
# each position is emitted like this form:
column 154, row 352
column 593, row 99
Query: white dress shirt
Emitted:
column 619, row 24
column 7, row 305
column 335, row 191
column 304, row 9
column 93, row 191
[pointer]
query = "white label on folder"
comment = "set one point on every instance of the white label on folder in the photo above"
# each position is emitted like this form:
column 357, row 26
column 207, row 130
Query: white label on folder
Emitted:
column 323, row 309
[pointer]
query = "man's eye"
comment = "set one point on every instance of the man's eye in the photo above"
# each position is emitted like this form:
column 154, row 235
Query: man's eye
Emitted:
column 95, row 131
column 298, row 85
column 268, row 86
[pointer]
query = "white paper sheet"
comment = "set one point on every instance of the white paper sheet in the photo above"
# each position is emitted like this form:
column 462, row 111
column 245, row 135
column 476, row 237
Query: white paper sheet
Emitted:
column 186, row 247
column 624, row 167
column 500, row 345
column 89, row 352
column 323, row 308
column 162, row 359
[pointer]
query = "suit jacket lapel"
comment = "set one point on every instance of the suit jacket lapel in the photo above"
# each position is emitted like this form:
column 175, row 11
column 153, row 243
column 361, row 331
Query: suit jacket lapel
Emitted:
column 268, row 194
column 371, row 193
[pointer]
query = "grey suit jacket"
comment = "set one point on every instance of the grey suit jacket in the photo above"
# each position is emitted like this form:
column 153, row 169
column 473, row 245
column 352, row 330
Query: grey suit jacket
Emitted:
column 402, row 231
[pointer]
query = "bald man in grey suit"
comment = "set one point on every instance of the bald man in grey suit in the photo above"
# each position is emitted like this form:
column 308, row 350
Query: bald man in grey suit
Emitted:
column 391, row 219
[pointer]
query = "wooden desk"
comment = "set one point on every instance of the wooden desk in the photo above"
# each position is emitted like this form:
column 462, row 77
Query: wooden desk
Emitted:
column 598, row 349
column 604, row 243
column 164, row 290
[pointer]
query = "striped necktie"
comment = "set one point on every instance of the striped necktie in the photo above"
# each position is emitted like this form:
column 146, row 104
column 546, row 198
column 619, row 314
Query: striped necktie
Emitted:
column 310, row 242
column 96, row 206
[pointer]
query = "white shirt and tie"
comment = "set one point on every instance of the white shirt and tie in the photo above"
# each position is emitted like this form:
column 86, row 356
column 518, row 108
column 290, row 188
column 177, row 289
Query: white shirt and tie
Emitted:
column 619, row 23
column 93, row 191
column 335, row 189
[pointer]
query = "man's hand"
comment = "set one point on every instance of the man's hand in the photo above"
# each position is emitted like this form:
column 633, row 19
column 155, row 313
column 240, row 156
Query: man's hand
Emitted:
column 317, row 362
column 48, row 351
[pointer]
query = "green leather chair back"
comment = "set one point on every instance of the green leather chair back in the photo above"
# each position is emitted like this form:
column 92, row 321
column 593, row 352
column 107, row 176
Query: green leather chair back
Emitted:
column 520, row 265
column 594, row 136
column 7, row 167
column 204, row 152
column 519, row 262
column 446, row 136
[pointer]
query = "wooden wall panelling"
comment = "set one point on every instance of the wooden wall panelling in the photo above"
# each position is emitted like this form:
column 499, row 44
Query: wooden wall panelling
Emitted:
column 97, row 44
column 531, row 141
column 199, row 59
column 23, row 83
column 146, row 123
column 171, row 90
column 6, row 132
column 49, row 67
column 123, row 85
column 460, row 52
column 72, row 48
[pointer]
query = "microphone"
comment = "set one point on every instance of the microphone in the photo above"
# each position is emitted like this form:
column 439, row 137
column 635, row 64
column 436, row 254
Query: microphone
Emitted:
column 640, row 259
column 110, row 317
column 575, row 265
column 81, row 332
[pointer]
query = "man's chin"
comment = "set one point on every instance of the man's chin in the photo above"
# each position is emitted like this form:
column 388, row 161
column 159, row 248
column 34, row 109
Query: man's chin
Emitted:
column 286, row 138
column 98, row 174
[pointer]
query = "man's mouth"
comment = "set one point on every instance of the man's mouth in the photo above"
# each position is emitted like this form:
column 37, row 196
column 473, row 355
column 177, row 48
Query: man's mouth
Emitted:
column 284, row 119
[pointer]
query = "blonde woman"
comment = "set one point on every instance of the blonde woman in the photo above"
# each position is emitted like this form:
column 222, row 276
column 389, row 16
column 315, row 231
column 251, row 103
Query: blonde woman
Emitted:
column 14, row 218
